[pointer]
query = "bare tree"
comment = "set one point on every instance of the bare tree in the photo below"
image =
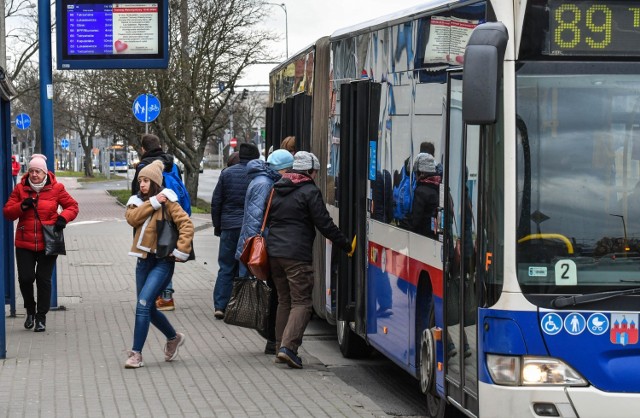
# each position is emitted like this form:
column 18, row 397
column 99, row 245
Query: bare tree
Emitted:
column 212, row 42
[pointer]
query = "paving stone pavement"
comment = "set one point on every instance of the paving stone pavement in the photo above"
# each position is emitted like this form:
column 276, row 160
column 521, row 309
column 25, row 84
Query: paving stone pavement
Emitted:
column 75, row 368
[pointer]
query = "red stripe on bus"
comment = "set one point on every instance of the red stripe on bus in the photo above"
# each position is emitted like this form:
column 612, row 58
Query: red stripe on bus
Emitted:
column 403, row 267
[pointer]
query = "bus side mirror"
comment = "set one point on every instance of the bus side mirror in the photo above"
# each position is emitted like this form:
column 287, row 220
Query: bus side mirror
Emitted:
column 483, row 60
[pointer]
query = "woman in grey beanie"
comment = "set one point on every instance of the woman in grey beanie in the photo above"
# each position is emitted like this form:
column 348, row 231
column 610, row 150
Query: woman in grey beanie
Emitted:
column 297, row 209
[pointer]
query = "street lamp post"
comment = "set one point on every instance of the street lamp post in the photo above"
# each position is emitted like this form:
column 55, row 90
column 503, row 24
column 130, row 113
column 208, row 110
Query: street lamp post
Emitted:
column 286, row 24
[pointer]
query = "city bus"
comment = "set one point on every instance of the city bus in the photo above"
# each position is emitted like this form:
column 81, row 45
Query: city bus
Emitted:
column 523, row 300
column 118, row 158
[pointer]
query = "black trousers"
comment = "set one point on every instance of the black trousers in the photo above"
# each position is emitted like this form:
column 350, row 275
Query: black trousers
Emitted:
column 35, row 266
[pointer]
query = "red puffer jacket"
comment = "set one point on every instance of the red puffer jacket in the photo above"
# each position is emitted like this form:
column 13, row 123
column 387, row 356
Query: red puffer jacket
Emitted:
column 29, row 231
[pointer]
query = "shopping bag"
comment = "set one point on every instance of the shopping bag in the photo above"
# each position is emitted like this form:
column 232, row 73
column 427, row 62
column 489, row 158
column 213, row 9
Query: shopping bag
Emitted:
column 249, row 304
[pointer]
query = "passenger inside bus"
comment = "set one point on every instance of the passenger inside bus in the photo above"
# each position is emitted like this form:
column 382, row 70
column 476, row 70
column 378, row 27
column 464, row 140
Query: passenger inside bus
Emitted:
column 426, row 196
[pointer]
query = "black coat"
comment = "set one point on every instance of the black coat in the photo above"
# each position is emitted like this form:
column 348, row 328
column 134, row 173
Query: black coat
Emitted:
column 297, row 209
column 425, row 205
column 227, row 201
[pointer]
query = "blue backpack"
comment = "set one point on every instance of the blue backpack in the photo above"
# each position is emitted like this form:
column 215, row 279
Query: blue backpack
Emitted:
column 403, row 195
column 172, row 180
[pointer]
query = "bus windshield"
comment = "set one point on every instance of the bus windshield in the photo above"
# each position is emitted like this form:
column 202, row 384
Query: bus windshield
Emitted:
column 578, row 176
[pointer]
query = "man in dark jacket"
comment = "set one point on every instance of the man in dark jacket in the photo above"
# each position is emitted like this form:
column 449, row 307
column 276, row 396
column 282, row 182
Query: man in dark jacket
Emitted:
column 227, row 212
column 151, row 151
column 297, row 209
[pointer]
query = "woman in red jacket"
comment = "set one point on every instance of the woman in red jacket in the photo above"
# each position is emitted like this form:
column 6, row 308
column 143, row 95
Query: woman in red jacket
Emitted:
column 37, row 191
column 15, row 169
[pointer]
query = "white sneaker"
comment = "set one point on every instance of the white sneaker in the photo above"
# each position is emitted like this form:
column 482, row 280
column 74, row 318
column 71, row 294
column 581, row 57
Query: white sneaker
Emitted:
column 134, row 361
column 171, row 347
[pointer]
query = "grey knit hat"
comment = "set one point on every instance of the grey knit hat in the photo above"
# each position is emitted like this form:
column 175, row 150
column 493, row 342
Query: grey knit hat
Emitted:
column 304, row 161
column 424, row 163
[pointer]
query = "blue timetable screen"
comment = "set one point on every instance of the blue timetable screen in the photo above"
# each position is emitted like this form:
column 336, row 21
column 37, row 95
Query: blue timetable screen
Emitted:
column 112, row 35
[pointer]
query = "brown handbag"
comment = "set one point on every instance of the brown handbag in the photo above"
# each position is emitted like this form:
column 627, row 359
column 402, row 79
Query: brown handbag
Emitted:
column 254, row 252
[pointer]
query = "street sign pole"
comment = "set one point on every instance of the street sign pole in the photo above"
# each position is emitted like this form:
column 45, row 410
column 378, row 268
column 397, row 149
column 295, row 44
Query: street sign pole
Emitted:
column 46, row 104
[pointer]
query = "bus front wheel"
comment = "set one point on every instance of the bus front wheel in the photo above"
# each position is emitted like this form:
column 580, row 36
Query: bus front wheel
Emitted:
column 427, row 361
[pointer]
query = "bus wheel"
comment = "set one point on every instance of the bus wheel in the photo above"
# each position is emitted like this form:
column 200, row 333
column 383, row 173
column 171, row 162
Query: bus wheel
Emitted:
column 351, row 345
column 427, row 361
column 436, row 406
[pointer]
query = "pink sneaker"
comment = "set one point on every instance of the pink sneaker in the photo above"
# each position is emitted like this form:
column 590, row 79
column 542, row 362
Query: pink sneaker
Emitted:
column 171, row 347
column 134, row 361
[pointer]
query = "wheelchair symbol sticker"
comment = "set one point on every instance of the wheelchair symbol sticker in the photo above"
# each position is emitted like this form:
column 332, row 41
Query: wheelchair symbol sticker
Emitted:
column 551, row 323
column 598, row 323
column 574, row 323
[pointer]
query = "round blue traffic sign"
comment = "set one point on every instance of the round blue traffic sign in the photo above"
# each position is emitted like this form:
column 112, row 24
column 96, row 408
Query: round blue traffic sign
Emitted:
column 146, row 108
column 23, row 121
column 64, row 143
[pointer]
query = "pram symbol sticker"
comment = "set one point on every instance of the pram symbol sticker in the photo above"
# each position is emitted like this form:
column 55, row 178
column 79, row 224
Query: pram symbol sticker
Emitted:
column 624, row 328
column 598, row 323
column 551, row 323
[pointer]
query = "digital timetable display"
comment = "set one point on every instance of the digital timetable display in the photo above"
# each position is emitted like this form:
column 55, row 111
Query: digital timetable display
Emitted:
column 594, row 28
column 101, row 35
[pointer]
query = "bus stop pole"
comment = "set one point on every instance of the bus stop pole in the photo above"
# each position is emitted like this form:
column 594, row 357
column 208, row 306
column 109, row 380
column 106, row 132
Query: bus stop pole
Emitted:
column 46, row 105
column 6, row 240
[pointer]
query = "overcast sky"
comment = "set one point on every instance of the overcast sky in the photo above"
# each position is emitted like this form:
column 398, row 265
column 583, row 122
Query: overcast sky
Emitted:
column 309, row 20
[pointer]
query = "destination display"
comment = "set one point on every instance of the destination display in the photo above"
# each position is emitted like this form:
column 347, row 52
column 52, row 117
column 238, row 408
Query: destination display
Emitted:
column 95, row 34
column 594, row 28
column 112, row 29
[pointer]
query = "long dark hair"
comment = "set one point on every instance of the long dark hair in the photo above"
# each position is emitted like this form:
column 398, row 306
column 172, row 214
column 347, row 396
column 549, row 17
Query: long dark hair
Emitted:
column 154, row 189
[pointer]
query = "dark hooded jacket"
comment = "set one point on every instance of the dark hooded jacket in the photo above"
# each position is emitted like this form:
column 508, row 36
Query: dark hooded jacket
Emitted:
column 297, row 209
column 147, row 158
column 426, row 198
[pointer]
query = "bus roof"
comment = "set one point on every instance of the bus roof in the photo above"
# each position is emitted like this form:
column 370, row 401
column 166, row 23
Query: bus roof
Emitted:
column 393, row 18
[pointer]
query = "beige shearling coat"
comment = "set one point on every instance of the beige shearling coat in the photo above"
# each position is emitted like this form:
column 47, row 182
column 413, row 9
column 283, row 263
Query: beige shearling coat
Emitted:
column 142, row 216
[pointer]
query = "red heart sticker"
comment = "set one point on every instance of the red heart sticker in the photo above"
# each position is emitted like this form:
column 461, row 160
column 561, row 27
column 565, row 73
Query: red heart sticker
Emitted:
column 120, row 46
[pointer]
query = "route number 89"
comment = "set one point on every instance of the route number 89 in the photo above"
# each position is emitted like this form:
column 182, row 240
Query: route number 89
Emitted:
column 569, row 19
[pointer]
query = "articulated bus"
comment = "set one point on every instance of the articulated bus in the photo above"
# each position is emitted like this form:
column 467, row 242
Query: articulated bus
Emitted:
column 523, row 298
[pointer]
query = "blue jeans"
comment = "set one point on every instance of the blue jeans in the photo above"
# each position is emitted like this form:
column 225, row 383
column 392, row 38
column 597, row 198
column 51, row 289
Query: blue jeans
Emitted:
column 152, row 276
column 228, row 267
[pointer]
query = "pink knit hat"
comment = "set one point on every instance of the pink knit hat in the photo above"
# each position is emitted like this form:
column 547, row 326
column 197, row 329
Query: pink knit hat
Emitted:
column 38, row 161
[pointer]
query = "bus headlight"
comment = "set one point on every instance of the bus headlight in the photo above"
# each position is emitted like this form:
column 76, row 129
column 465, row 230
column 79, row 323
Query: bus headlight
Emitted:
column 531, row 371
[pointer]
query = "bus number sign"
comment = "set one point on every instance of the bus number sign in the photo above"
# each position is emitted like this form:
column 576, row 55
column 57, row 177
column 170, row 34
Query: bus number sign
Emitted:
column 594, row 28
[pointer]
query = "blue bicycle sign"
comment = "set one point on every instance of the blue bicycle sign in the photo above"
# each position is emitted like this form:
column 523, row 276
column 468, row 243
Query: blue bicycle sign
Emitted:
column 23, row 121
column 146, row 108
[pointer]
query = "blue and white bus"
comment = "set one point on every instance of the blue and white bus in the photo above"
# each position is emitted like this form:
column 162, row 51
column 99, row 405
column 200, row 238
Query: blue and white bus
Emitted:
column 118, row 158
column 525, row 300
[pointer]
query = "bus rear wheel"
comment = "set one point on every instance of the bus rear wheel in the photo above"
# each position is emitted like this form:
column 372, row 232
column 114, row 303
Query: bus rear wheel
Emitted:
column 351, row 345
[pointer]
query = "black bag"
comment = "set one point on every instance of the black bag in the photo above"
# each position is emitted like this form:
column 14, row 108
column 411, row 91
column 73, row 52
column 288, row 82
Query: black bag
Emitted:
column 167, row 235
column 53, row 240
column 249, row 305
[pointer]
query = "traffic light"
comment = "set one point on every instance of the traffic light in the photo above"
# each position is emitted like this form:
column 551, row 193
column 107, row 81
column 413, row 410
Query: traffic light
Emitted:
column 245, row 92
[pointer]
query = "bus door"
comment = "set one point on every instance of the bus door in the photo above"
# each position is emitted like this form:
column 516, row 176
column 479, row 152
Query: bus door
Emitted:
column 359, row 108
column 461, row 203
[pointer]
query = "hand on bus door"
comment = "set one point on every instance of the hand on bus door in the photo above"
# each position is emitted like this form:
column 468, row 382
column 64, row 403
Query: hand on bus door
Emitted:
column 353, row 247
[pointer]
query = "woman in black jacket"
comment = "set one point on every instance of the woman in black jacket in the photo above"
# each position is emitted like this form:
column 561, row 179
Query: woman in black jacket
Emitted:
column 297, row 209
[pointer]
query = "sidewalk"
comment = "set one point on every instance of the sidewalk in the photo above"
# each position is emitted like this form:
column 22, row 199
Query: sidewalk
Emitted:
column 75, row 368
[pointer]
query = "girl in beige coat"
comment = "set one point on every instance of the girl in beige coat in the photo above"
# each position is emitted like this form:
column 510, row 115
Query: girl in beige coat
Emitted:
column 153, row 273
